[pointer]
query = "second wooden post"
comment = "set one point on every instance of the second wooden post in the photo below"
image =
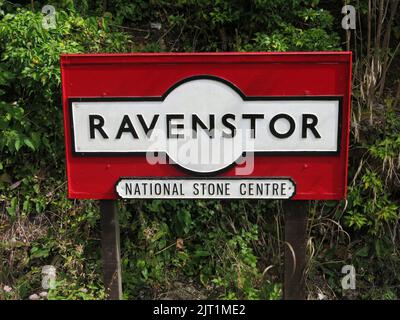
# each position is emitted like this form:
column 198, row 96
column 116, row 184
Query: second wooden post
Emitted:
column 296, row 215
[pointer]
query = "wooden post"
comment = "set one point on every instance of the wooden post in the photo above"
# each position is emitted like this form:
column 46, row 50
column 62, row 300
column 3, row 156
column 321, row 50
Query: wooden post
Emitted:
column 110, row 248
column 296, row 214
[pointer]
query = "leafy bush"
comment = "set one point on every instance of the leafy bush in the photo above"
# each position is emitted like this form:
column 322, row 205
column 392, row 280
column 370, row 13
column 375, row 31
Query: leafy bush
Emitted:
column 32, row 178
column 31, row 114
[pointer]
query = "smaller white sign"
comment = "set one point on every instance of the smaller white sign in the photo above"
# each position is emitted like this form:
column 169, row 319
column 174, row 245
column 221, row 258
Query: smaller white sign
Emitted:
column 217, row 188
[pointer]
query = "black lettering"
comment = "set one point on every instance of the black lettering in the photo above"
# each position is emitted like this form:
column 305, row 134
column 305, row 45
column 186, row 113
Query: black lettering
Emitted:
column 228, row 125
column 195, row 189
column 157, row 189
column 227, row 189
column 137, row 190
column 167, row 188
column 174, row 126
column 282, row 135
column 147, row 129
column 145, row 188
column 175, row 190
column 242, row 189
column 181, row 189
column 96, row 126
column 283, row 189
column 275, row 187
column 253, row 118
column 128, row 188
column 197, row 122
column 250, row 188
column 311, row 126
column 126, row 126
column 210, row 189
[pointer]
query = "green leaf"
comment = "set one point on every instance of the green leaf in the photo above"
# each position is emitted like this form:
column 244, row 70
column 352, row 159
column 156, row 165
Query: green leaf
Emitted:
column 29, row 143
column 37, row 252
column 363, row 252
column 12, row 209
column 201, row 253
column 17, row 144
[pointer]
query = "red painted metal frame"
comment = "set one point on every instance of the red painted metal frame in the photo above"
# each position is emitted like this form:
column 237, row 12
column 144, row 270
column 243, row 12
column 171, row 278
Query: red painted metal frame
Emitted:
column 318, row 177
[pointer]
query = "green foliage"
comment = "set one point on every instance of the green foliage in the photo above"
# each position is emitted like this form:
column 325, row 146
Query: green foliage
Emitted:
column 240, row 25
column 195, row 240
column 371, row 204
column 66, row 290
column 387, row 147
column 32, row 52
column 371, row 215
column 30, row 116
column 32, row 186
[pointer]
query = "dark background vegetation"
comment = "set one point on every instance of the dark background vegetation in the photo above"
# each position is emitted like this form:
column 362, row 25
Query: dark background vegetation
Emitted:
column 194, row 249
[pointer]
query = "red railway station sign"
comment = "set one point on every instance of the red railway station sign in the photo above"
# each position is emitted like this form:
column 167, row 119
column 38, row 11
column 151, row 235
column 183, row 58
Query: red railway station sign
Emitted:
column 207, row 125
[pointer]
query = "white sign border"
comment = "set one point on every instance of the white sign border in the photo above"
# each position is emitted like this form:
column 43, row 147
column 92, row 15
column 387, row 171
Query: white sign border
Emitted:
column 206, row 179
